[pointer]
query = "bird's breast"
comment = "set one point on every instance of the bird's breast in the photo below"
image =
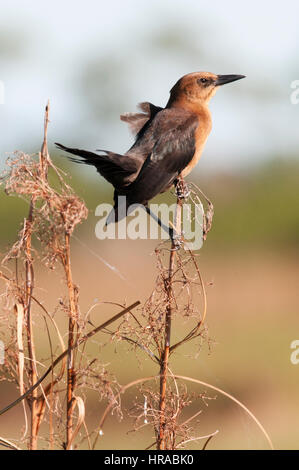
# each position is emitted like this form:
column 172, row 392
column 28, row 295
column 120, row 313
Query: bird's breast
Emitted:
column 201, row 135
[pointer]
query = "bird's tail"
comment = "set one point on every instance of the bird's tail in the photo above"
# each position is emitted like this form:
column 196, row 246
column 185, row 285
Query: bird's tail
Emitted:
column 116, row 169
column 90, row 158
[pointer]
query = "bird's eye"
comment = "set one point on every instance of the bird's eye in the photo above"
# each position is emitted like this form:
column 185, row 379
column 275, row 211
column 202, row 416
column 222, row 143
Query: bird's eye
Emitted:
column 203, row 81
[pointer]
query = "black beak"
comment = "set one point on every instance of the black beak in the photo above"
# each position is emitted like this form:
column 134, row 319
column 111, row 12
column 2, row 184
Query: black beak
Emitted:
column 223, row 79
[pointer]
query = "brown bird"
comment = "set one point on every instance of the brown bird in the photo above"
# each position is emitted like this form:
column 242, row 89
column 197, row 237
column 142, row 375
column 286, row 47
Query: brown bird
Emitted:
column 169, row 142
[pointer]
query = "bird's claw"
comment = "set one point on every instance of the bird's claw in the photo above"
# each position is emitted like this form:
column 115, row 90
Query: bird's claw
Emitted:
column 182, row 189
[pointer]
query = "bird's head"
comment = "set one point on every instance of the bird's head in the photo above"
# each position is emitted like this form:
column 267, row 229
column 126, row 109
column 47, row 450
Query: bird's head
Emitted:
column 199, row 87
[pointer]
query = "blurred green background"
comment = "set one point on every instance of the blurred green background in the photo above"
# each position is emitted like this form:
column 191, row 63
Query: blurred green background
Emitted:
column 97, row 60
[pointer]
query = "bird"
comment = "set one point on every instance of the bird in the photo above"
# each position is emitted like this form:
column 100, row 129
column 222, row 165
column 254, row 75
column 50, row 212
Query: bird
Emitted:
column 168, row 144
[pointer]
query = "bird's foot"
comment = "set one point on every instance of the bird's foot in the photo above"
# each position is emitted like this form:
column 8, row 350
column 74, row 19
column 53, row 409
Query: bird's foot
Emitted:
column 182, row 190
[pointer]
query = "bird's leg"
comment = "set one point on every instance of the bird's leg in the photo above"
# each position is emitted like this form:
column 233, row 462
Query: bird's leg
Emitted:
column 181, row 188
column 174, row 236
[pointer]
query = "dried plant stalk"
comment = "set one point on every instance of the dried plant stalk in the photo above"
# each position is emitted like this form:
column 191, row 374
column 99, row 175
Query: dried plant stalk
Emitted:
column 30, row 338
column 73, row 317
column 53, row 216
column 29, row 290
column 161, row 442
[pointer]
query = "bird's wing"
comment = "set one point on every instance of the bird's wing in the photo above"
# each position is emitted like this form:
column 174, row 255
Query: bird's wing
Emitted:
column 137, row 121
column 117, row 169
column 173, row 149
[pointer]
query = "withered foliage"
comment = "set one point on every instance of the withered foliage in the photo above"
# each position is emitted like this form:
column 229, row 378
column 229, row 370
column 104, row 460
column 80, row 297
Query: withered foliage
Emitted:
column 186, row 300
column 54, row 212
column 178, row 297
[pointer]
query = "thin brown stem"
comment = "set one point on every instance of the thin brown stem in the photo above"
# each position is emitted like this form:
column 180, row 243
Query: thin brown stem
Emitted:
column 161, row 441
column 29, row 290
column 44, row 154
column 71, row 374
column 29, row 329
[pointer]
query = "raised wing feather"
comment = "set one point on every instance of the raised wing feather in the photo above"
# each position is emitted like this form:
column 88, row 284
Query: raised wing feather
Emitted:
column 137, row 121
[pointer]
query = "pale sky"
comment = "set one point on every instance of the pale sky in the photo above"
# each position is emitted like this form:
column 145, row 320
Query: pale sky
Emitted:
column 48, row 46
